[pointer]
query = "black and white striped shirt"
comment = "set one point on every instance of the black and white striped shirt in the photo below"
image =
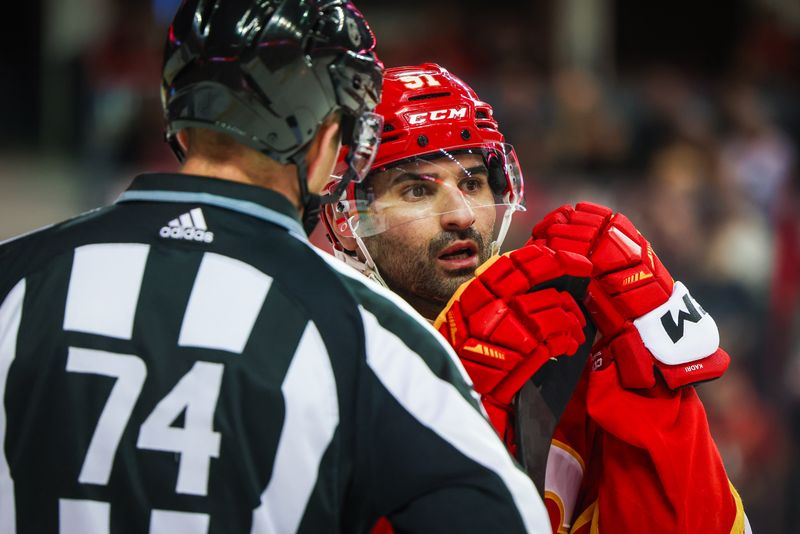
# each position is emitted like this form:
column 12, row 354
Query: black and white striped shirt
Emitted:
column 184, row 362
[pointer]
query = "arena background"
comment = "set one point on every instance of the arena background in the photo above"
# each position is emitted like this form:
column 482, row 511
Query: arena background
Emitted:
column 685, row 115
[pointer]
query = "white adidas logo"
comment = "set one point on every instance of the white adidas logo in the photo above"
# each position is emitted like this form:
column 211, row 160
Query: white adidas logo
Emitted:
column 190, row 226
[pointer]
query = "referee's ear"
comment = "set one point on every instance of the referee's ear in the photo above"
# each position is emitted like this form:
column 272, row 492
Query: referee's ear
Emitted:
column 183, row 140
column 322, row 153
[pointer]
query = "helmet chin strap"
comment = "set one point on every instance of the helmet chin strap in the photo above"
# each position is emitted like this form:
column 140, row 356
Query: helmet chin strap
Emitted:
column 366, row 266
column 337, row 191
column 311, row 202
column 501, row 235
column 370, row 268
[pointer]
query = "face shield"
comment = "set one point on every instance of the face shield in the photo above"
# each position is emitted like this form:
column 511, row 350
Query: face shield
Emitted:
column 483, row 183
column 362, row 141
column 357, row 79
column 363, row 145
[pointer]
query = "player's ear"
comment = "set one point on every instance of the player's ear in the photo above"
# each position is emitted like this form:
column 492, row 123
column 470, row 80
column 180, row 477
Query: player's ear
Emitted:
column 338, row 227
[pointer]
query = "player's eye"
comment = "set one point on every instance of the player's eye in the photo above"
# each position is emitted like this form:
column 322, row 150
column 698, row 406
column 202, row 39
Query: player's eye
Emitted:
column 472, row 184
column 416, row 191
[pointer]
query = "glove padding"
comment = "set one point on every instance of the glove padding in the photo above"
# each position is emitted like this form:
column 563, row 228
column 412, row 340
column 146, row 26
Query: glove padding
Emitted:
column 504, row 325
column 647, row 321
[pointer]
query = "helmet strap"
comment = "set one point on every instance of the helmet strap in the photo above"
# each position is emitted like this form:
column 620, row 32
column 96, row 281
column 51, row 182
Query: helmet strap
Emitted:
column 369, row 267
column 337, row 191
column 176, row 147
column 311, row 209
column 309, row 201
column 501, row 235
column 312, row 203
column 366, row 266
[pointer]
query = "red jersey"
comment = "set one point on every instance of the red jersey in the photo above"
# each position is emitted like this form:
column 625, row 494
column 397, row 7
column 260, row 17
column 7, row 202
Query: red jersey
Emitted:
column 637, row 461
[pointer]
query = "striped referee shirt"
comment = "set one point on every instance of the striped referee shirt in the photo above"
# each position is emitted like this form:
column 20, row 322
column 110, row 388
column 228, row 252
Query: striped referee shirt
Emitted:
column 185, row 362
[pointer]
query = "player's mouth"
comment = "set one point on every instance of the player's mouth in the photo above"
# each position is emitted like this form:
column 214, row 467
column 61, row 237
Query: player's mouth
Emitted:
column 460, row 255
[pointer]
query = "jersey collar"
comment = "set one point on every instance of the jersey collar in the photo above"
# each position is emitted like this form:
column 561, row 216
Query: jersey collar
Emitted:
column 251, row 200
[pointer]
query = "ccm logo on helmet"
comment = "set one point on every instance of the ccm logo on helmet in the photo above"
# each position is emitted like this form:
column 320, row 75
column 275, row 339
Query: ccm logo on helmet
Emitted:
column 438, row 115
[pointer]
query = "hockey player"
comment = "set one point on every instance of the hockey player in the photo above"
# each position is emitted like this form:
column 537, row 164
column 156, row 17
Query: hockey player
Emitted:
column 632, row 451
column 183, row 361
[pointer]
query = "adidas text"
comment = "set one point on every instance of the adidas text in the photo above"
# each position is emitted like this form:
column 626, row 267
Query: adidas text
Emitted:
column 189, row 234
column 190, row 226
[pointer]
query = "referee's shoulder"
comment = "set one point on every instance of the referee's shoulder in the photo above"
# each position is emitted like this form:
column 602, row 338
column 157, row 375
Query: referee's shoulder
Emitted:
column 25, row 253
column 385, row 310
column 385, row 305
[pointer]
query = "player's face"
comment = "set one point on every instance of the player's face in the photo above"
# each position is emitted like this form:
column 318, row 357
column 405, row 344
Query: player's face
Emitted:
column 439, row 217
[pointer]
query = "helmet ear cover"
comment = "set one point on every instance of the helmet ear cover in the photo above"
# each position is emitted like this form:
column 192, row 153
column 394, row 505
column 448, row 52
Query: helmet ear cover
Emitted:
column 497, row 176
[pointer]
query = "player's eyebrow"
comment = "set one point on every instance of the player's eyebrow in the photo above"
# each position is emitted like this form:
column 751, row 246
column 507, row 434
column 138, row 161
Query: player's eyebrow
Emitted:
column 406, row 176
column 412, row 177
column 475, row 169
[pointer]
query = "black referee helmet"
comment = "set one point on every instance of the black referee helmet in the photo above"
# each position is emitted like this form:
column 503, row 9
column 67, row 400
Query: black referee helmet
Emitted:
column 268, row 72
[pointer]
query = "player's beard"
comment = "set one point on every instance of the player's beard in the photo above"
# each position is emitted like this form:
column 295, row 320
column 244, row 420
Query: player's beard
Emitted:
column 413, row 272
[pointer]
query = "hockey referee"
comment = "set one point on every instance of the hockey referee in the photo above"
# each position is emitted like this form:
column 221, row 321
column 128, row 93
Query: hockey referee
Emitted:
column 184, row 362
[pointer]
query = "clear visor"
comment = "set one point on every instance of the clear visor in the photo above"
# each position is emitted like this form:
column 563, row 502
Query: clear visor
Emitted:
column 364, row 145
column 464, row 184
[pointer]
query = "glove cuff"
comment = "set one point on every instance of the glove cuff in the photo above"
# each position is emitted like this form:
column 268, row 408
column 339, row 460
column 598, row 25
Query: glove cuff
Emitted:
column 702, row 370
column 679, row 331
column 678, row 338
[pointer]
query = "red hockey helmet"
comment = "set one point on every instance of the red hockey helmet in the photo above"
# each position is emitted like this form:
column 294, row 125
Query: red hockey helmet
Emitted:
column 426, row 109
column 429, row 114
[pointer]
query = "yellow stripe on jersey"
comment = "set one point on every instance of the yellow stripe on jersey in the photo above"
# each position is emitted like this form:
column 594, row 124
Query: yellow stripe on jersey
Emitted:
column 595, row 520
column 738, row 522
column 554, row 497
column 587, row 517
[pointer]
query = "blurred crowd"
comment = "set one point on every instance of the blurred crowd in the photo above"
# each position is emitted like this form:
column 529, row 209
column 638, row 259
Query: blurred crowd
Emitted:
column 701, row 155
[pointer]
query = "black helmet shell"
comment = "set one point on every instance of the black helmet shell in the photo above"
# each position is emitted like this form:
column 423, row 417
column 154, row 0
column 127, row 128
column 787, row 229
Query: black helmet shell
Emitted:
column 268, row 72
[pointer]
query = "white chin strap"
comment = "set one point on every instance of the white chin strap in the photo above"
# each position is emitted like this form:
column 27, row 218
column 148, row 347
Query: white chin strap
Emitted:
column 501, row 235
column 366, row 267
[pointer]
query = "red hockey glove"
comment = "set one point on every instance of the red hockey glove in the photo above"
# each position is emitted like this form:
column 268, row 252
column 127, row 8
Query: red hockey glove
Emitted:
column 504, row 332
column 646, row 320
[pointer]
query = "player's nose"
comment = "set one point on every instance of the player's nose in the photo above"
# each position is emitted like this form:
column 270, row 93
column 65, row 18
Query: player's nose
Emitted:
column 459, row 217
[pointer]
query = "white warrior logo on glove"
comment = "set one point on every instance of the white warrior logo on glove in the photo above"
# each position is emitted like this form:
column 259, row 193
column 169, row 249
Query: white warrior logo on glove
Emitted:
column 666, row 333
